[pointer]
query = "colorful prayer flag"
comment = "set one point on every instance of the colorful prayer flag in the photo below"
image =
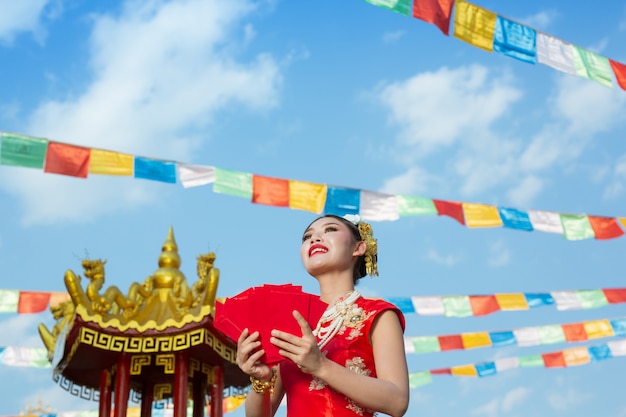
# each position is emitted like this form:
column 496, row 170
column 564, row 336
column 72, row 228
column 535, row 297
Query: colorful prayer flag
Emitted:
column 105, row 162
column 235, row 183
column 576, row 227
column 546, row 221
column 23, row 151
column 415, row 206
column 307, row 196
column 605, row 227
column 515, row 219
column 270, row 191
column 155, row 170
column 437, row 12
column 481, row 215
column 33, row 302
column 593, row 66
column 474, row 25
column 342, row 201
column 66, row 159
column 620, row 73
column 378, row 206
column 515, row 40
column 450, row 209
column 555, row 53
column 195, row 175
column 400, row 6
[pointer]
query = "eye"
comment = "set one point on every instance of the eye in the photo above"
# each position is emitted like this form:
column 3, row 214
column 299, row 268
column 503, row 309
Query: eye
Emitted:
column 306, row 237
column 331, row 229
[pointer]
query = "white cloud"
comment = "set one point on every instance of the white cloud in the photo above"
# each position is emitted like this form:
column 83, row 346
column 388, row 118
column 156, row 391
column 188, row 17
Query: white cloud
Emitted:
column 567, row 400
column 21, row 16
column 616, row 186
column 391, row 37
column 414, row 181
column 447, row 260
column 20, row 330
column 541, row 20
column 456, row 113
column 504, row 405
column 160, row 72
column 437, row 109
column 525, row 191
column 499, row 255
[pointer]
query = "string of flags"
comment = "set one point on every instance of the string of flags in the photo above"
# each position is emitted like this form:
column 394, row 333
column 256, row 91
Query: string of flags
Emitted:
column 77, row 161
column 32, row 302
column 523, row 337
column 159, row 409
column 560, row 359
column 494, row 33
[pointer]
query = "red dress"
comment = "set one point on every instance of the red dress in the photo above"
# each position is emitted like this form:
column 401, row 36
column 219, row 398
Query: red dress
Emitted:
column 350, row 347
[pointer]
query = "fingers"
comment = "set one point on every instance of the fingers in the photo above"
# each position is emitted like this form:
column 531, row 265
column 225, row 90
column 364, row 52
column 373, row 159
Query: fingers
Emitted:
column 304, row 325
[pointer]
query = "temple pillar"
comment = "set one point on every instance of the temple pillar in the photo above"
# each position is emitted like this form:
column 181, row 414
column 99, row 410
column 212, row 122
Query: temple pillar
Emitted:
column 217, row 391
column 181, row 373
column 122, row 385
column 199, row 395
column 147, row 398
column 104, row 405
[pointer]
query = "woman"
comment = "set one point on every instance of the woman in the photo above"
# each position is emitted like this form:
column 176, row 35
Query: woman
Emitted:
column 353, row 363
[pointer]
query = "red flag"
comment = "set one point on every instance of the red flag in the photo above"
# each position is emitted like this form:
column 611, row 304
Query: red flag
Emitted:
column 436, row 12
column 620, row 73
column 67, row 160
column 32, row 302
column 484, row 304
column 442, row 371
column 450, row 209
column 605, row 227
column 554, row 360
column 451, row 342
column 615, row 295
column 270, row 191
column 575, row 332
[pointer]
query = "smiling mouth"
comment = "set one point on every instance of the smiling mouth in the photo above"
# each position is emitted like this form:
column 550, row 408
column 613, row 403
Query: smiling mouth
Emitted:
column 316, row 250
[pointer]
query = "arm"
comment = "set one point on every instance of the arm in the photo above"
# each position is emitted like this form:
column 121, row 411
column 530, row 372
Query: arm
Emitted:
column 248, row 359
column 387, row 393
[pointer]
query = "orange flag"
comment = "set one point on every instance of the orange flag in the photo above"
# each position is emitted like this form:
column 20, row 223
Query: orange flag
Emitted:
column 436, row 12
column 620, row 73
column 270, row 191
column 67, row 160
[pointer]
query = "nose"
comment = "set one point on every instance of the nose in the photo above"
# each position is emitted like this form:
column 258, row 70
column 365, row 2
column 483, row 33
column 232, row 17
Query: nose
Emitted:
column 316, row 237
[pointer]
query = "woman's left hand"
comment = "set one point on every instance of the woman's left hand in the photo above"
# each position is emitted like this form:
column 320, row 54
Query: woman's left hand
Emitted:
column 303, row 351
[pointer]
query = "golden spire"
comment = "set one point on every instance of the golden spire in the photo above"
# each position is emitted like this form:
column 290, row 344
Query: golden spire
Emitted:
column 169, row 262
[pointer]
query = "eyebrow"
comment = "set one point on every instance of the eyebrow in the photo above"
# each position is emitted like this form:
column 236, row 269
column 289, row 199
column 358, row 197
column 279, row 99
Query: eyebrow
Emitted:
column 325, row 224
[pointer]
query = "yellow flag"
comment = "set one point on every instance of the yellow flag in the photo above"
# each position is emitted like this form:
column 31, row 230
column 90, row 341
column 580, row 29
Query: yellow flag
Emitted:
column 474, row 25
column 307, row 196
column 110, row 163
column 481, row 215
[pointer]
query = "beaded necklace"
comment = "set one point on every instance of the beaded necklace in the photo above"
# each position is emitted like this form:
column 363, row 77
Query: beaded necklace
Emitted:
column 334, row 318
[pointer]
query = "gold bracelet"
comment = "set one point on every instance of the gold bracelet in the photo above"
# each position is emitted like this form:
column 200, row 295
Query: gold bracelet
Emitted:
column 261, row 387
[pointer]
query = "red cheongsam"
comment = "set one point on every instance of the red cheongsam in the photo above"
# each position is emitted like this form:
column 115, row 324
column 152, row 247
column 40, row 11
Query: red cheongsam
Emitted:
column 350, row 347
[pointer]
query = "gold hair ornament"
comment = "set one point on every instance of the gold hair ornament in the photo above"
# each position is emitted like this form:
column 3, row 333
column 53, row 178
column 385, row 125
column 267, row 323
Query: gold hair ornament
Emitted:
column 261, row 387
column 371, row 248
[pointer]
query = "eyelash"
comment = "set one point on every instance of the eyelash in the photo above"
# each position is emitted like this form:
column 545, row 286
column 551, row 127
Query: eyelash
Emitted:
column 326, row 230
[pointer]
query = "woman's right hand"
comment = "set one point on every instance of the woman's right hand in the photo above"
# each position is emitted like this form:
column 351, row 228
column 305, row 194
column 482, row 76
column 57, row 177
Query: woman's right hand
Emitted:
column 249, row 355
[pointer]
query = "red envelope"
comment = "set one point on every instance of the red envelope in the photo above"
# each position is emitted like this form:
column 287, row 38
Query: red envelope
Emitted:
column 264, row 309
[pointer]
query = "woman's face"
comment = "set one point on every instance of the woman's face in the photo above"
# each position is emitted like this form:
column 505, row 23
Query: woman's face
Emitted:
column 328, row 245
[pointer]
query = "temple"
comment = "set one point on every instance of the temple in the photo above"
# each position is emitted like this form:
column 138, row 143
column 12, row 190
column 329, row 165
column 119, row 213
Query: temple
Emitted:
column 156, row 342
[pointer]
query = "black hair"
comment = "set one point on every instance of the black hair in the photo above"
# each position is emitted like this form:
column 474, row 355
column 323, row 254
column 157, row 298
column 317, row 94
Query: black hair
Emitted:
column 359, row 270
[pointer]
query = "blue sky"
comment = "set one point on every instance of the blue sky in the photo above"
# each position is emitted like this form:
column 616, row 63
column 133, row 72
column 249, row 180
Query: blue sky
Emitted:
column 342, row 93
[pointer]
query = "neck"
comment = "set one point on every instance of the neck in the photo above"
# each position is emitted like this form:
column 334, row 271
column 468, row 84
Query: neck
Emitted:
column 333, row 286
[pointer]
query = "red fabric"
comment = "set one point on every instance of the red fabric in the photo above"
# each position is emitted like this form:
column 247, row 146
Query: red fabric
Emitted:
column 437, row 12
column 451, row 342
column 620, row 73
column 67, row 160
column 270, row 191
column 615, row 295
column 450, row 209
column 575, row 332
column 350, row 347
column 554, row 360
column 484, row 304
column 32, row 302
column 605, row 227
column 442, row 371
